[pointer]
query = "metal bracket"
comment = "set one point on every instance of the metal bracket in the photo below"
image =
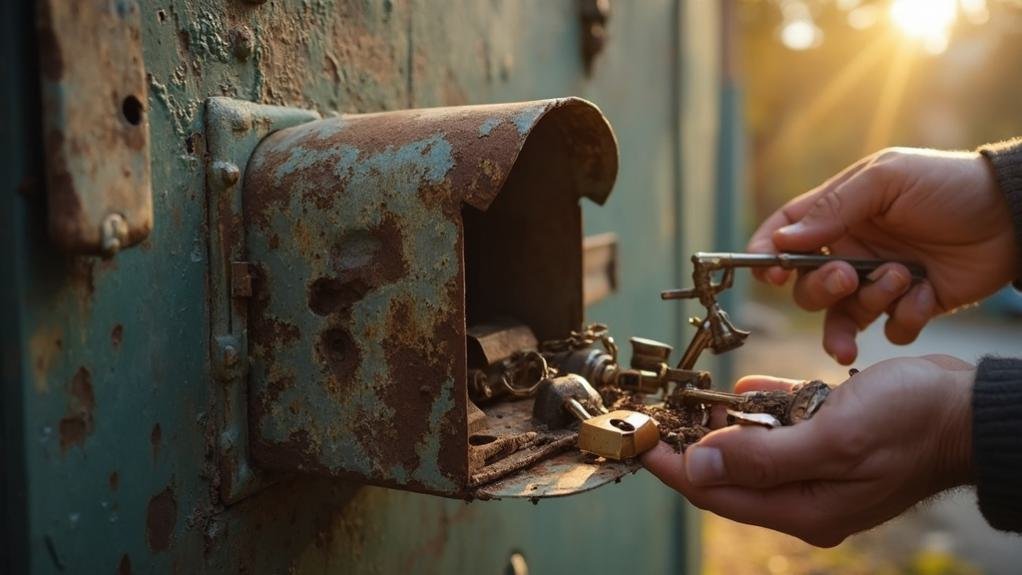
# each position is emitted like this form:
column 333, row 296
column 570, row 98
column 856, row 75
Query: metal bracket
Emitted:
column 94, row 125
column 233, row 130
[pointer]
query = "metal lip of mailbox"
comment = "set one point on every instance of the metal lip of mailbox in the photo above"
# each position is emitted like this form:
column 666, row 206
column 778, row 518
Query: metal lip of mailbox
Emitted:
column 373, row 239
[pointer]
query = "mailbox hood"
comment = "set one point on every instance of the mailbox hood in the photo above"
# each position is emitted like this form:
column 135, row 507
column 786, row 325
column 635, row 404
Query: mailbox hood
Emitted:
column 374, row 239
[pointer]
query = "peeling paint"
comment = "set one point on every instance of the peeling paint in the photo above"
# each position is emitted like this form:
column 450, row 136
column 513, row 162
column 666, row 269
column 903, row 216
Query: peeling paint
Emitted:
column 44, row 347
column 360, row 218
column 77, row 424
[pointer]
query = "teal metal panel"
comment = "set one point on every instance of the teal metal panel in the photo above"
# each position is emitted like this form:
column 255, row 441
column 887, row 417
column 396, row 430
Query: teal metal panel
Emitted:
column 107, row 383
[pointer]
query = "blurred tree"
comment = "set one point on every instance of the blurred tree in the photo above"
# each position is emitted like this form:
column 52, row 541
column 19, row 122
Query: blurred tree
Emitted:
column 828, row 81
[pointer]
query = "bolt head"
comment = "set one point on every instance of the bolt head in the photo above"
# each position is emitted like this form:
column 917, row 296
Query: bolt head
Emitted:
column 230, row 355
column 113, row 233
column 242, row 43
column 228, row 173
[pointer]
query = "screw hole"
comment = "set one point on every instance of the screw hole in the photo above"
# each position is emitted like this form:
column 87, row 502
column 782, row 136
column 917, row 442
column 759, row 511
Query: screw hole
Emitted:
column 131, row 107
column 622, row 425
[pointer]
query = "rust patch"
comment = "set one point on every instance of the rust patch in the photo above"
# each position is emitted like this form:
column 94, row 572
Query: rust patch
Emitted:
column 295, row 453
column 45, row 347
column 277, row 386
column 413, row 369
column 82, row 277
column 161, row 517
column 114, row 480
column 77, row 423
column 155, row 437
column 337, row 350
column 117, row 335
column 330, row 295
column 124, row 565
column 454, row 426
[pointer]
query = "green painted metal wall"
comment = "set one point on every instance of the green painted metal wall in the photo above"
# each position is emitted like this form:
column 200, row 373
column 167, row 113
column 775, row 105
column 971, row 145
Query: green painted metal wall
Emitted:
column 106, row 378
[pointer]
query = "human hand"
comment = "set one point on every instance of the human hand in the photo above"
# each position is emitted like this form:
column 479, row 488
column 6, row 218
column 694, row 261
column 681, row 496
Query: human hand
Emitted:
column 890, row 436
column 940, row 209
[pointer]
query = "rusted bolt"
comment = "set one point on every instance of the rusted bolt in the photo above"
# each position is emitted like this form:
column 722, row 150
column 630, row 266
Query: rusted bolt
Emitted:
column 230, row 355
column 242, row 42
column 114, row 233
column 228, row 173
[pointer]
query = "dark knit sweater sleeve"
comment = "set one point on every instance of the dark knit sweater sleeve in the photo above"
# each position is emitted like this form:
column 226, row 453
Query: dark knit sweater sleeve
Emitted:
column 1006, row 160
column 997, row 441
column 997, row 392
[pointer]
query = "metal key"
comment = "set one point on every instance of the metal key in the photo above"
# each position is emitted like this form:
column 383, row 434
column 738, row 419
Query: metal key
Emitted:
column 620, row 434
column 800, row 404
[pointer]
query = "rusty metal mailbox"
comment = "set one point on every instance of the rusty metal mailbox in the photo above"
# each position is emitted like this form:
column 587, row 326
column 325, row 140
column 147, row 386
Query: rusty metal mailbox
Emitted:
column 370, row 242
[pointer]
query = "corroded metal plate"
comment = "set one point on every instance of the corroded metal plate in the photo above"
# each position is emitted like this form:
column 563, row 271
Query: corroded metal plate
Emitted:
column 95, row 125
column 374, row 240
column 565, row 474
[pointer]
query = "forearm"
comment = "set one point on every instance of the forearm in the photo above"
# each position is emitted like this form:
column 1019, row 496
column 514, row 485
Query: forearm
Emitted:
column 997, row 441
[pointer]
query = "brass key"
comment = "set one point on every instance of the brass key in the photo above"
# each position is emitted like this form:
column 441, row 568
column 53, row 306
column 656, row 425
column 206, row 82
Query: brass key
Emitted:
column 788, row 408
column 617, row 435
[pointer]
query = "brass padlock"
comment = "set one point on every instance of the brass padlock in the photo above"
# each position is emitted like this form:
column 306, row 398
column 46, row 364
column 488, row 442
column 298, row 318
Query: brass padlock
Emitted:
column 617, row 435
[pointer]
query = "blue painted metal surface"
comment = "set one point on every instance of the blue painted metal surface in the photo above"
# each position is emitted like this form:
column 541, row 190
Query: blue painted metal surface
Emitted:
column 359, row 306
column 110, row 396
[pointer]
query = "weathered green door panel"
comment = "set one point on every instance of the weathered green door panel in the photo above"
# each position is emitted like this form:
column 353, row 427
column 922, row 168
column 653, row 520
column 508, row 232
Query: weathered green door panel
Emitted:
column 109, row 358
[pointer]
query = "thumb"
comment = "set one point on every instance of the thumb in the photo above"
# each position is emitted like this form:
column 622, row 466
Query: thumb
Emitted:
column 753, row 456
column 834, row 210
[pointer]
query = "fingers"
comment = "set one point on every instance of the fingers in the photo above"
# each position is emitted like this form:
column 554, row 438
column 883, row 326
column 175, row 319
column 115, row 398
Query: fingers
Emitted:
column 824, row 287
column 718, row 413
column 887, row 283
column 793, row 508
column 754, row 456
column 911, row 314
column 761, row 243
column 839, row 331
column 762, row 240
column 834, row 211
column 764, row 383
column 823, row 215
column 718, row 416
column 847, row 318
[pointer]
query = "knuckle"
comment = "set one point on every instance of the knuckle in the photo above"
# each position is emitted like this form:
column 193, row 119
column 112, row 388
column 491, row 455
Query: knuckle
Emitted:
column 889, row 154
column 827, row 205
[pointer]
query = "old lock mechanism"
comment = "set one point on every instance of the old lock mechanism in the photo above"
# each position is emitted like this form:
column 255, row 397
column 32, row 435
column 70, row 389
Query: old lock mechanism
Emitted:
column 617, row 435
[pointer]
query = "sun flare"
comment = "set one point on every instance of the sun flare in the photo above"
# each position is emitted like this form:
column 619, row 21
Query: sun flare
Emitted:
column 928, row 21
